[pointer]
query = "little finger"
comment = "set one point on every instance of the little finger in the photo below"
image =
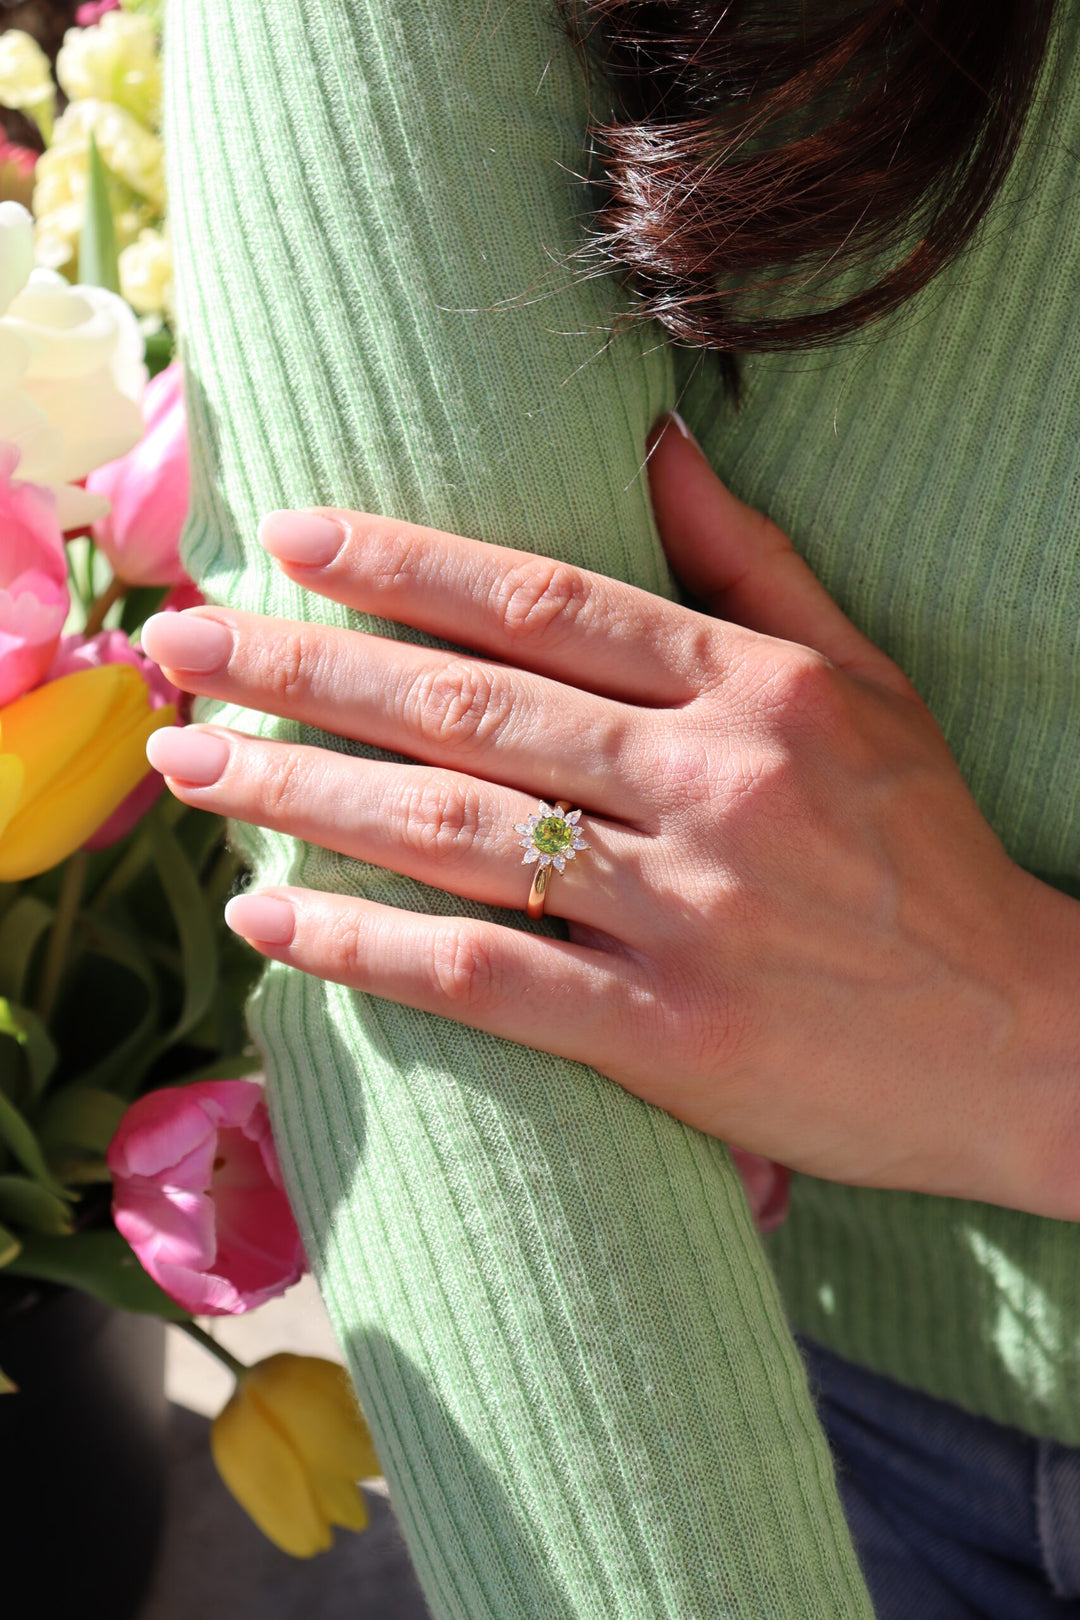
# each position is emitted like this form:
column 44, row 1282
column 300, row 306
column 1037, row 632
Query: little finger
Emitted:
column 549, row 994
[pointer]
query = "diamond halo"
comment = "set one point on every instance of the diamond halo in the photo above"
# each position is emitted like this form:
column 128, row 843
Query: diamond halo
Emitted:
column 551, row 837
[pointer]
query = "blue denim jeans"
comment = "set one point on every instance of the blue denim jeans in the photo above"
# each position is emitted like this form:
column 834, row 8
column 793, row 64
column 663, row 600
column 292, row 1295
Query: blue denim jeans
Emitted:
column 953, row 1517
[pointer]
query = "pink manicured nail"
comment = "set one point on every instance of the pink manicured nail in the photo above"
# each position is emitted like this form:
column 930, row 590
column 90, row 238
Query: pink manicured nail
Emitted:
column 187, row 642
column 193, row 756
column 301, row 538
column 262, row 917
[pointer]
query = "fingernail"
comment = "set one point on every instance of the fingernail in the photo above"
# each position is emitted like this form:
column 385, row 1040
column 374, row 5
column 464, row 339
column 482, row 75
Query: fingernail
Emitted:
column 193, row 756
column 186, row 642
column 262, row 917
column 302, row 538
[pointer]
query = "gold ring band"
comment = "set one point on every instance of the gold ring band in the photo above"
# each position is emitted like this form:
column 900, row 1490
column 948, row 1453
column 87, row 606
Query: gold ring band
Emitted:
column 550, row 839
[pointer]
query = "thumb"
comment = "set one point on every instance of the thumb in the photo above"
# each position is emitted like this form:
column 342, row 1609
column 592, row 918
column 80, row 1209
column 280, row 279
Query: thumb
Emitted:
column 743, row 567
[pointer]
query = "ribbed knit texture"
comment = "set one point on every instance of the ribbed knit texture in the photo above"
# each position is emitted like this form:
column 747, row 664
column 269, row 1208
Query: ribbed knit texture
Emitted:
column 560, row 1321
column 557, row 1313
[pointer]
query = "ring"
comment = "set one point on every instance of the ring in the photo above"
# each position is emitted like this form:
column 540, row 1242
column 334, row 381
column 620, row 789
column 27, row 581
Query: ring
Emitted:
column 550, row 838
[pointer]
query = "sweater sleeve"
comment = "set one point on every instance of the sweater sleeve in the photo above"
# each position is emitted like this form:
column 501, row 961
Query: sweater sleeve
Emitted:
column 557, row 1313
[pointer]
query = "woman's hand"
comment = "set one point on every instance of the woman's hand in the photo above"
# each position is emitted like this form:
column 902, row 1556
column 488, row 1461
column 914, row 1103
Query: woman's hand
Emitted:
column 792, row 928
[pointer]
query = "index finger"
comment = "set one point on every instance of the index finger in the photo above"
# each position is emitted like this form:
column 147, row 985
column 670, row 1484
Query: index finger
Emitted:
column 535, row 612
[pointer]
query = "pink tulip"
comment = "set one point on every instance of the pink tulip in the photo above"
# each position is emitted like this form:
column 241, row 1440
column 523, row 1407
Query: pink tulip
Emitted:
column 113, row 647
column 33, row 580
column 148, row 489
column 767, row 1185
column 182, row 597
column 198, row 1194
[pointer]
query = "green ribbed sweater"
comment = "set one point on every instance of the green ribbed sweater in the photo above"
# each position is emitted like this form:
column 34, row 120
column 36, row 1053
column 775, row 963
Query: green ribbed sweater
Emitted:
column 565, row 1332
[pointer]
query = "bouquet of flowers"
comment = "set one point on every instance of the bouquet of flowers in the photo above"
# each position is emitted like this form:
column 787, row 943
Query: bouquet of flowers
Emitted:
column 136, row 1160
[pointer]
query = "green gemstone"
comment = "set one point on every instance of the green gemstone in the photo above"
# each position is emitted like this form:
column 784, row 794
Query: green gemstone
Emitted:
column 552, row 835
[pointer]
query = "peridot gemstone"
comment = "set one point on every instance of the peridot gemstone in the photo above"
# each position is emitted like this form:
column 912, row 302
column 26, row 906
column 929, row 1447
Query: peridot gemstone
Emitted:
column 552, row 835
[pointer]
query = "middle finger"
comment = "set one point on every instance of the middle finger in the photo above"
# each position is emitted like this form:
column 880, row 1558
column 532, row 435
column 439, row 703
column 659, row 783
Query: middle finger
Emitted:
column 443, row 708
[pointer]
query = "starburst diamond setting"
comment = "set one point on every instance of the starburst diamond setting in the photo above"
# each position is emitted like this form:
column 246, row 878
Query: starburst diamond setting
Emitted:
column 551, row 837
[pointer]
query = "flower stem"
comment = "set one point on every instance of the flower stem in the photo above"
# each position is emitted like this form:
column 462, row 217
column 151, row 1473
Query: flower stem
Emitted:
column 208, row 1342
column 67, row 909
column 99, row 607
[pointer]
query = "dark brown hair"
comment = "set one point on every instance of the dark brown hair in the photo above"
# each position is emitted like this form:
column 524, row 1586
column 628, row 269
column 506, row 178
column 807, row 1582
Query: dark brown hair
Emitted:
column 776, row 173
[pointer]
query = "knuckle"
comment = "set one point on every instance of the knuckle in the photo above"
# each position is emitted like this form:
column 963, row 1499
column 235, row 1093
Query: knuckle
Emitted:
column 393, row 558
column 542, row 600
column 462, row 967
column 442, row 818
column 347, row 948
column 682, row 770
column 461, row 702
column 282, row 785
column 286, row 669
column 804, row 686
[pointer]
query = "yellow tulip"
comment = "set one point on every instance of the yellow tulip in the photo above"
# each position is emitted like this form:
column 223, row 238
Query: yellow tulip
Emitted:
column 11, row 782
column 291, row 1445
column 80, row 743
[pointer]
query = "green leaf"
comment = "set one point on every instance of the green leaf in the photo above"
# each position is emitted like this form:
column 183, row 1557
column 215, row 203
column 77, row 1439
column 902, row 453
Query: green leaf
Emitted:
column 41, row 1053
column 16, row 1133
column 139, row 603
column 80, row 1117
column 198, row 936
column 9, row 1024
column 97, row 244
column 9, row 1248
column 32, row 1207
column 37, row 1054
column 122, row 1068
column 81, row 1172
column 101, row 1264
column 23, row 925
column 13, row 1070
column 27, row 1053
column 160, row 348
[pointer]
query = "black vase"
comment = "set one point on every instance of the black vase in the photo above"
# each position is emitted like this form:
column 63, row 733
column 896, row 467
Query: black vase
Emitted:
column 83, row 1456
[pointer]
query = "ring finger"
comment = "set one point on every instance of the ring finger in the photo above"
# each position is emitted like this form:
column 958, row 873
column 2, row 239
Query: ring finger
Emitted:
column 440, row 827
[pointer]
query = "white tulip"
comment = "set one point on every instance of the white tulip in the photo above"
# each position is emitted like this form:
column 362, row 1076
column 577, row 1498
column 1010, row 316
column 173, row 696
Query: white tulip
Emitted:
column 16, row 250
column 71, row 383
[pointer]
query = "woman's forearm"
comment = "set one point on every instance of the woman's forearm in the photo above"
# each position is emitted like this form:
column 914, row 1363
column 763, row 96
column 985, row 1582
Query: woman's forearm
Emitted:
column 554, row 1304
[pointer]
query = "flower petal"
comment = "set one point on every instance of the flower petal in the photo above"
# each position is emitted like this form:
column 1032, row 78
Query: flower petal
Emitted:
column 265, row 1473
column 340, row 1500
column 312, row 1401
